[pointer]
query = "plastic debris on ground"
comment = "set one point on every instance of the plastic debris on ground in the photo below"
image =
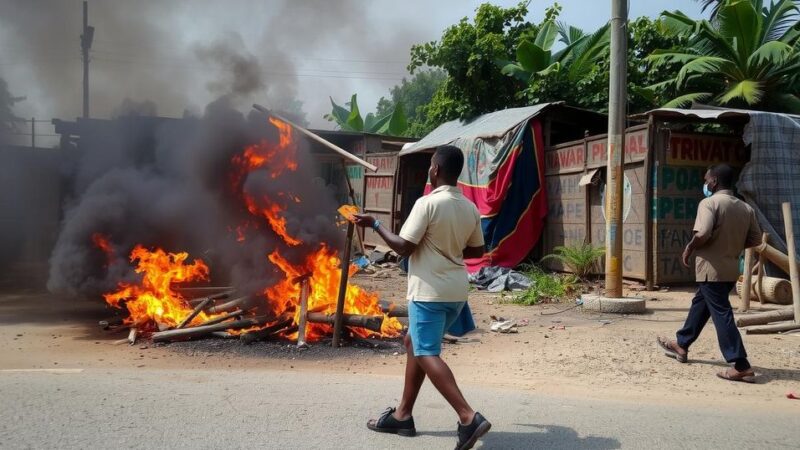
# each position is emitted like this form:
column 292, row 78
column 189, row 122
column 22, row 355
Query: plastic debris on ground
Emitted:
column 499, row 279
column 502, row 325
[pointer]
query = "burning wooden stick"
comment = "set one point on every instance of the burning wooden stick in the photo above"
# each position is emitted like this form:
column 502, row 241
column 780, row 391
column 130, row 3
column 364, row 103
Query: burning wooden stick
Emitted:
column 281, row 324
column 132, row 336
column 394, row 309
column 200, row 307
column 301, row 326
column 372, row 323
column 189, row 333
column 222, row 318
column 343, row 278
column 342, row 152
column 228, row 306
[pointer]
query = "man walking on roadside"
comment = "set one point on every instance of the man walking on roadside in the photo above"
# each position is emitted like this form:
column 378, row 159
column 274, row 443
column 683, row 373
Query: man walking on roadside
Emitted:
column 443, row 228
column 724, row 226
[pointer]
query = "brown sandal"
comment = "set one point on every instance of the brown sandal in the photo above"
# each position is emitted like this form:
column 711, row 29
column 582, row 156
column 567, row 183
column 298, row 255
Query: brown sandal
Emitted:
column 669, row 351
column 747, row 376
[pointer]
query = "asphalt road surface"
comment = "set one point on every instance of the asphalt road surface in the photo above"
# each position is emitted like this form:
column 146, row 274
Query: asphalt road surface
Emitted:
column 219, row 409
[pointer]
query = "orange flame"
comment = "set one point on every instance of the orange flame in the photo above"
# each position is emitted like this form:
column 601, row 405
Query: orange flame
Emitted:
column 324, row 267
column 153, row 298
column 348, row 212
column 102, row 242
column 266, row 154
column 272, row 212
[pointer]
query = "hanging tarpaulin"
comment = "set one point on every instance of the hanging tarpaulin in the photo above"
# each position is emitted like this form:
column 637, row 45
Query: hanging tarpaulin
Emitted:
column 504, row 177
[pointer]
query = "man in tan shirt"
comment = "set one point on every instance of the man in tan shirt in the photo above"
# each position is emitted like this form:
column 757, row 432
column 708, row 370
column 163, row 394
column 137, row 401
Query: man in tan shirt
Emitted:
column 443, row 228
column 723, row 228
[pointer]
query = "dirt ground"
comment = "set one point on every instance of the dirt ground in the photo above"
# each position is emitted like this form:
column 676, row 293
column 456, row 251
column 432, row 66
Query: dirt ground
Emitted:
column 562, row 351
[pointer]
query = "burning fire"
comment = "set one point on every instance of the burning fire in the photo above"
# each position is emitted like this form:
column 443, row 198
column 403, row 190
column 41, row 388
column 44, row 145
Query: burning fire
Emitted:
column 324, row 267
column 102, row 242
column 348, row 212
column 272, row 212
column 267, row 154
column 154, row 300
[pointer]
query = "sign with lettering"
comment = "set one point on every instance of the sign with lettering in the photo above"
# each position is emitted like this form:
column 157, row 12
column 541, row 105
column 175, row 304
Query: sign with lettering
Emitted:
column 686, row 149
column 635, row 148
column 565, row 159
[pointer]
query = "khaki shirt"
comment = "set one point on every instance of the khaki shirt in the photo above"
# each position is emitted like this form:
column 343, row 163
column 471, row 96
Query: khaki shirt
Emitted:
column 732, row 227
column 442, row 224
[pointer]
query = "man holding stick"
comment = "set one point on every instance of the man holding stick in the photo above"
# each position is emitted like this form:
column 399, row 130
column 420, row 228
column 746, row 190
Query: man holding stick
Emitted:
column 723, row 228
column 442, row 229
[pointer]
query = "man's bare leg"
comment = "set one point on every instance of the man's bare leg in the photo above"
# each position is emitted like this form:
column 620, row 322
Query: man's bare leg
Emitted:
column 442, row 378
column 414, row 378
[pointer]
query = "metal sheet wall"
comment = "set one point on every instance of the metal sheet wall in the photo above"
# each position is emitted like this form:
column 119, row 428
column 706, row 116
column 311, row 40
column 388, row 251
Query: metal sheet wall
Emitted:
column 681, row 162
column 576, row 213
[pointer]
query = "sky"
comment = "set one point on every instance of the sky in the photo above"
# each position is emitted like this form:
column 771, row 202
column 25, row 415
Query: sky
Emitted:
column 179, row 55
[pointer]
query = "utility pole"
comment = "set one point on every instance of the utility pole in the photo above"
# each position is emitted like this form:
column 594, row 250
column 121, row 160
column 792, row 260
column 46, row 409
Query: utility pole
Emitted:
column 86, row 44
column 33, row 132
column 617, row 107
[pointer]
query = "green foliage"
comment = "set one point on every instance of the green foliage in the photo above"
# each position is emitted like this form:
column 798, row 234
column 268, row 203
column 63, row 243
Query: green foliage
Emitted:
column 545, row 287
column 583, row 75
column 392, row 123
column 413, row 94
column 579, row 258
column 467, row 52
column 748, row 57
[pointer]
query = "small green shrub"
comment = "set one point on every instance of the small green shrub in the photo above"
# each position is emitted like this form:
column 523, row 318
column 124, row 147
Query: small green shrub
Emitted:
column 579, row 258
column 545, row 287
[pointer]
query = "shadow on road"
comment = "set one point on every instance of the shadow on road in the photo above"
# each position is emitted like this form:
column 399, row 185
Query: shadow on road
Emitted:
column 542, row 436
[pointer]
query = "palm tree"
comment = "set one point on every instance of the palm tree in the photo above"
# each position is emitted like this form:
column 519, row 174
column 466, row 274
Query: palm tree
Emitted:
column 748, row 57
column 535, row 58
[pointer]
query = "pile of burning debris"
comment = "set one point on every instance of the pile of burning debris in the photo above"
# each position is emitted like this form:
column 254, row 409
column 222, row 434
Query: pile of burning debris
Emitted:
column 160, row 309
column 305, row 297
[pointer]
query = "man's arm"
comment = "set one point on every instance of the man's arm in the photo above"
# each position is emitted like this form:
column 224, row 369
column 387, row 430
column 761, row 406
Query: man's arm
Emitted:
column 753, row 232
column 703, row 227
column 399, row 245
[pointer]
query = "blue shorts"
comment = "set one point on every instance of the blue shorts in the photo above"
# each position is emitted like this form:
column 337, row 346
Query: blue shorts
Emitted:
column 427, row 323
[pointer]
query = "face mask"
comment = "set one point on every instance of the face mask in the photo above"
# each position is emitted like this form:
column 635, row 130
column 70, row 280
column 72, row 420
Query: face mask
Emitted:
column 707, row 192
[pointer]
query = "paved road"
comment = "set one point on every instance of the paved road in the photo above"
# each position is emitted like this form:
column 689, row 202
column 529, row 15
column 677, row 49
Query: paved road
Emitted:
column 286, row 410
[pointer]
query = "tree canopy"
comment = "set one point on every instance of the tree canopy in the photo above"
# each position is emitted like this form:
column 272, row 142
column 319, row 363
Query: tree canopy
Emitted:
column 748, row 56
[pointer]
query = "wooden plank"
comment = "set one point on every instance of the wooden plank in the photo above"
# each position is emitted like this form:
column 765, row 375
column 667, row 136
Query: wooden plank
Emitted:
column 703, row 150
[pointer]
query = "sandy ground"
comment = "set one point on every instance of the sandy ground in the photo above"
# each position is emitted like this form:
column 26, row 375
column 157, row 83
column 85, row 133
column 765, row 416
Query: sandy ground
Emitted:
column 563, row 351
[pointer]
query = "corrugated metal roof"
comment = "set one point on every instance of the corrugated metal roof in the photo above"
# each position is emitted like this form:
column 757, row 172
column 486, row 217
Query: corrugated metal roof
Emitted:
column 704, row 112
column 489, row 125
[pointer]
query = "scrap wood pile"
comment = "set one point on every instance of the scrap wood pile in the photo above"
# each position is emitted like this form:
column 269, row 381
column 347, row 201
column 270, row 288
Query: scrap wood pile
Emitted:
column 238, row 317
column 771, row 290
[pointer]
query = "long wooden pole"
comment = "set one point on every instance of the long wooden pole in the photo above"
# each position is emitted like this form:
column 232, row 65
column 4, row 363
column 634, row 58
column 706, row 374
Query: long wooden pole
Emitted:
column 764, row 318
column 747, row 284
column 342, row 152
column 773, row 328
column 617, row 101
column 794, row 275
column 343, row 279
column 301, row 324
column 372, row 323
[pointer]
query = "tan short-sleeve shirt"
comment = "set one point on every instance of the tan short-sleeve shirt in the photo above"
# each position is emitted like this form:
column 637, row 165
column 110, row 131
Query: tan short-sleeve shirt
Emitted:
column 442, row 224
column 731, row 226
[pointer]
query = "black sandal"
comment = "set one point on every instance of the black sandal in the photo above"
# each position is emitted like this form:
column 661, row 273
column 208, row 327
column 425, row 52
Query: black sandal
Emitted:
column 387, row 423
column 468, row 435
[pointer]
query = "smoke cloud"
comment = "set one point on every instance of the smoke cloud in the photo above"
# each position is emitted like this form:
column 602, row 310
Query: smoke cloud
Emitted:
column 170, row 184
